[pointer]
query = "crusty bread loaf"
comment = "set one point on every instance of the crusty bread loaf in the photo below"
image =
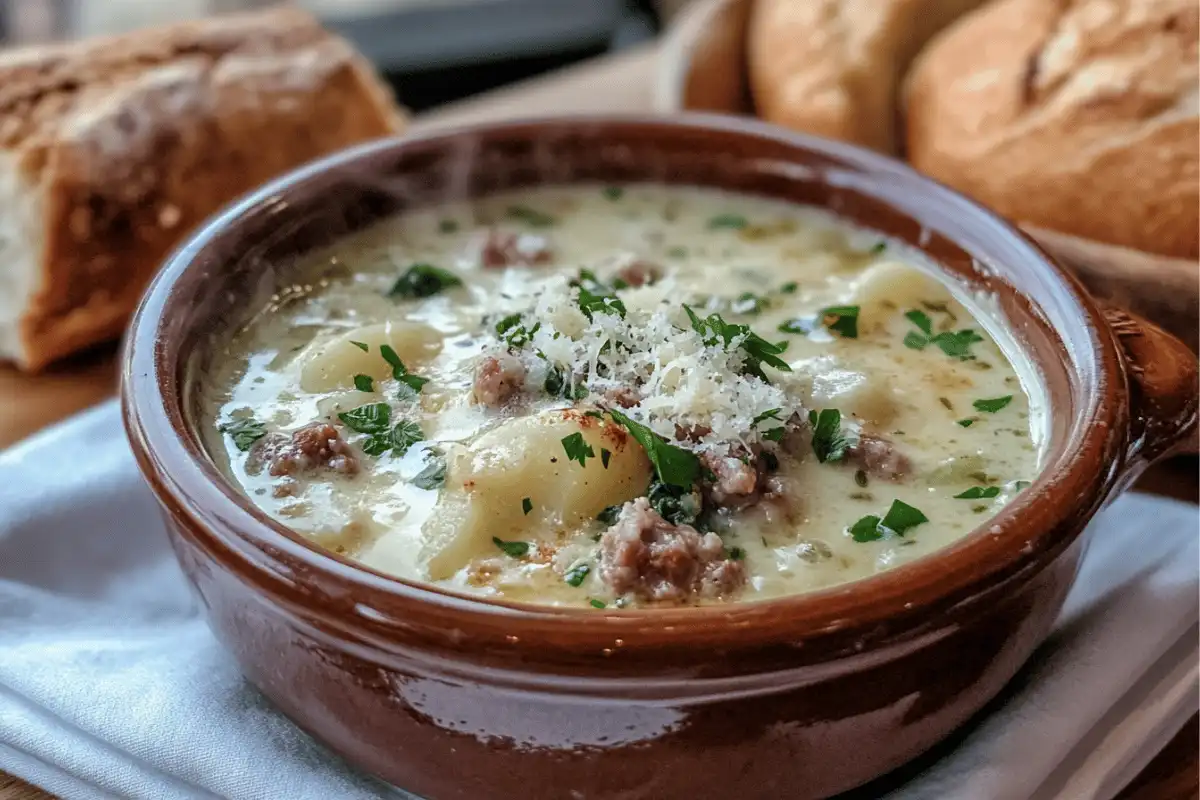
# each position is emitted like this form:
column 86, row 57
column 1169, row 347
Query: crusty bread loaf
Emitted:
column 833, row 67
column 1076, row 115
column 112, row 149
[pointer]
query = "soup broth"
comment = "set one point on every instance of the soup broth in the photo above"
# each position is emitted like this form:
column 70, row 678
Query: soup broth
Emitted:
column 622, row 396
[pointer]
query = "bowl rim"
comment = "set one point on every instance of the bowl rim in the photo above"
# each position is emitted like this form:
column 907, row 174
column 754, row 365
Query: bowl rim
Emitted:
column 1046, row 517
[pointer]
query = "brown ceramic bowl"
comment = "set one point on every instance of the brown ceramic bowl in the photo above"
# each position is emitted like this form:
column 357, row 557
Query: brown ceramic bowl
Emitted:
column 456, row 697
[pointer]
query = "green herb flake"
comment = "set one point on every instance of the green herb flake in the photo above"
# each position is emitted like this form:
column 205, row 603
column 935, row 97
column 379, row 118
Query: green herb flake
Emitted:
column 798, row 325
column 413, row 383
column 968, row 422
column 511, row 549
column 609, row 515
column 531, row 216
column 737, row 554
column 364, row 383
column 362, row 346
column 423, row 280
column 405, row 434
column 594, row 603
column 673, row 465
column 433, row 476
column 575, row 575
column 727, row 221
column 978, row 493
column 866, row 529
column 507, row 324
column 789, row 288
column 605, row 455
column 715, row 330
column 371, row 418
column 677, row 252
column 591, row 303
column 613, row 193
column 749, row 304
column 915, row 341
column 992, row 405
column 526, row 505
column 577, row 449
column 878, row 248
column 772, row 413
column 244, row 431
column 901, row 517
column 860, row 478
column 448, row 226
column 842, row 320
column 921, row 320
column 828, row 442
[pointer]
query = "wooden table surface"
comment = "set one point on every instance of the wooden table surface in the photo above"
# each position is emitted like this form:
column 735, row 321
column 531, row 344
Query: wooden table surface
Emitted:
column 621, row 83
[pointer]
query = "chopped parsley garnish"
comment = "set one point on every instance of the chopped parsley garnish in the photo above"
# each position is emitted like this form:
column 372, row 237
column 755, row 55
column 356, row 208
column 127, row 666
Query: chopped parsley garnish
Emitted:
column 556, row 386
column 828, row 441
column 921, row 320
column 597, row 603
column 591, row 303
column 577, row 448
column 677, row 252
column 798, row 325
column 423, row 280
column 361, row 346
column 675, row 504
column 605, row 455
column 526, row 505
column 372, row 418
column 405, row 434
column 899, row 519
column 772, row 413
column 515, row 334
column 609, row 515
column 878, row 248
column 749, row 303
column 672, row 465
column 614, row 193
column 758, row 351
column 448, row 226
column 736, row 554
column 992, row 405
column 434, row 474
column 978, row 493
column 244, row 431
column 770, row 434
column 730, row 221
column 531, row 216
column 399, row 371
column 364, row 383
column 789, row 288
column 968, row 422
column 956, row 344
column 842, row 320
column 576, row 574
column 512, row 549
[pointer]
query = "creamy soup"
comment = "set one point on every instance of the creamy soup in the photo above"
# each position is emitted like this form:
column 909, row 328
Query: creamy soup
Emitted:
column 625, row 396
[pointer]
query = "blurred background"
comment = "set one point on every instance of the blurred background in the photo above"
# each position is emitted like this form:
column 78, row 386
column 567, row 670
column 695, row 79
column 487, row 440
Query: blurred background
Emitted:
column 432, row 51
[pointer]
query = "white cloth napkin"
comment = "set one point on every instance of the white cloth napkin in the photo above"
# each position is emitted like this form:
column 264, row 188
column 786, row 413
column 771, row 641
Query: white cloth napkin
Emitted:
column 110, row 684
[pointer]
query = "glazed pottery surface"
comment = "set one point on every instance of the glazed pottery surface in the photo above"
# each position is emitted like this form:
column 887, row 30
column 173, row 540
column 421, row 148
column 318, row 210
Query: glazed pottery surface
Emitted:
column 453, row 697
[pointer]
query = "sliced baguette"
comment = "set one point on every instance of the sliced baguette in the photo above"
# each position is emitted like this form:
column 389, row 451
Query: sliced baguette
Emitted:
column 834, row 67
column 111, row 150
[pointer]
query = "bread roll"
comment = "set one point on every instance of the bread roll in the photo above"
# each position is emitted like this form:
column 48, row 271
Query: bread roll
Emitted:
column 833, row 67
column 1080, row 116
column 112, row 149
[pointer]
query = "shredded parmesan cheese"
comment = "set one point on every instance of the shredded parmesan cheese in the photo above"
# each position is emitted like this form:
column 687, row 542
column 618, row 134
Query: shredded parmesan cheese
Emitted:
column 683, row 386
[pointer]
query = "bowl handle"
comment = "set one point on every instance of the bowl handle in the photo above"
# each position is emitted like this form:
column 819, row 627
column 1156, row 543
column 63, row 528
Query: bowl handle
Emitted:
column 1164, row 390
